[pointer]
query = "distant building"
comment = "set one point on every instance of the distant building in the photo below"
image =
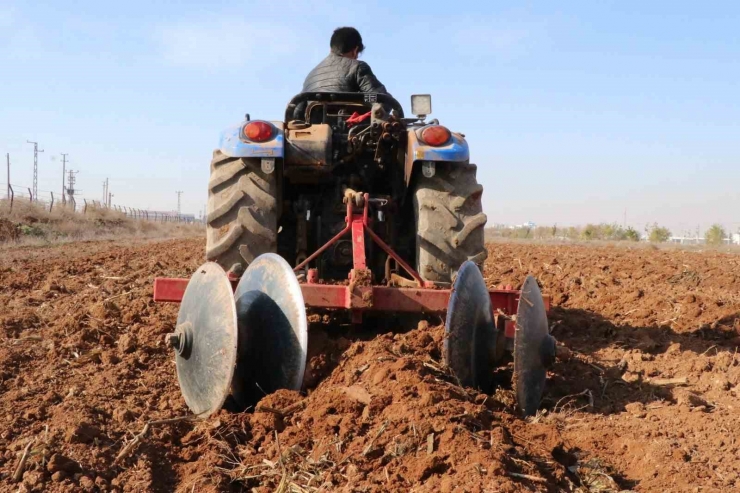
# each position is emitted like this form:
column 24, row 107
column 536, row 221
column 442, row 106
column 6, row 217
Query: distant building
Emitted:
column 686, row 240
column 736, row 238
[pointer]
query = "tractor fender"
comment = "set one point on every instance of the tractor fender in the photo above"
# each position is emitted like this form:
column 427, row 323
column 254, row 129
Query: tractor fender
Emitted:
column 234, row 145
column 456, row 150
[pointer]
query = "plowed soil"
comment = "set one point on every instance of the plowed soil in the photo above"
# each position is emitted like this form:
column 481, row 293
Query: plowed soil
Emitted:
column 647, row 400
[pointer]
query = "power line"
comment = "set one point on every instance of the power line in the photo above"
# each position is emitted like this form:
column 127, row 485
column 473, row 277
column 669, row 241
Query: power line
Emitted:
column 35, row 168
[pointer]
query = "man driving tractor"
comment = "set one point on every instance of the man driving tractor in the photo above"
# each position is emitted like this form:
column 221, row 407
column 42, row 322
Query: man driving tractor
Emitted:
column 341, row 71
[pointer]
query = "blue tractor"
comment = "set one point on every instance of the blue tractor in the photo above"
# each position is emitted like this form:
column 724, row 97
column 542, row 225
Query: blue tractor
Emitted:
column 281, row 187
column 346, row 206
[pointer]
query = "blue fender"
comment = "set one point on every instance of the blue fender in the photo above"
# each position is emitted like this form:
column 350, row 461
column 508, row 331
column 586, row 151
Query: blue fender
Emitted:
column 232, row 144
column 456, row 150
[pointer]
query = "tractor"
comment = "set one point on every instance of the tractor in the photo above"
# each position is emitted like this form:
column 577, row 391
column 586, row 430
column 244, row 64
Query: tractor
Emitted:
column 346, row 206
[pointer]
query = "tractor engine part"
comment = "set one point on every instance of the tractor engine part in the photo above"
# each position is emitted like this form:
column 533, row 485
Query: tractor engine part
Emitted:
column 310, row 146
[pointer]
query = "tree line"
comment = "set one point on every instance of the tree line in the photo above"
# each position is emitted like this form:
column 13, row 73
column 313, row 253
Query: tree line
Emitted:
column 654, row 233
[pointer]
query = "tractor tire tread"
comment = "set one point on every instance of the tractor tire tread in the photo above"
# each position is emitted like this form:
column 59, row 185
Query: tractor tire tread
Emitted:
column 241, row 212
column 449, row 221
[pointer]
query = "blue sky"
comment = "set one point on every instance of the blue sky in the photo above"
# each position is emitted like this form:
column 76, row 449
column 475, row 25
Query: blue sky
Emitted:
column 575, row 111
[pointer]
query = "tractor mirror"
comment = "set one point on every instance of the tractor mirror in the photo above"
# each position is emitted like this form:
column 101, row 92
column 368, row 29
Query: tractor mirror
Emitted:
column 421, row 105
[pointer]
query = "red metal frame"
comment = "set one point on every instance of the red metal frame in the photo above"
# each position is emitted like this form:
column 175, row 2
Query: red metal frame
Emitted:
column 359, row 224
column 384, row 298
column 359, row 295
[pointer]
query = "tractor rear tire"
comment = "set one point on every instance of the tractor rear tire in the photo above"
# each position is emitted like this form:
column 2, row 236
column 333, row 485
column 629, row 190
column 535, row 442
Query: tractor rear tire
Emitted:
column 242, row 212
column 449, row 221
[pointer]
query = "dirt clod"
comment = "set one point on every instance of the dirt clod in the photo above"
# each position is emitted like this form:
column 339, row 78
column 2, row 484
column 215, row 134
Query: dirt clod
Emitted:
column 127, row 343
column 59, row 476
column 60, row 463
column 83, row 433
column 87, row 484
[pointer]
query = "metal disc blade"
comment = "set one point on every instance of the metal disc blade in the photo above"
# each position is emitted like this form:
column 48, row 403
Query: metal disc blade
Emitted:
column 273, row 330
column 533, row 348
column 207, row 335
column 470, row 333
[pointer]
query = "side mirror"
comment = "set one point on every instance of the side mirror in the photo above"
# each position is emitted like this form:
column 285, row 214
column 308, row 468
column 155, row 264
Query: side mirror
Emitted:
column 421, row 105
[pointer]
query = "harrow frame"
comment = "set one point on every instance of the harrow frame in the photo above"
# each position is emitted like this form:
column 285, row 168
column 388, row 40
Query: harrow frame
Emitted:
column 360, row 295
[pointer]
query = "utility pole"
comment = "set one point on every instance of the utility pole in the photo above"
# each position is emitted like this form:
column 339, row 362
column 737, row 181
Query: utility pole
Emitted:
column 64, row 172
column 35, row 169
column 71, row 185
column 110, row 196
column 179, row 193
column 105, row 192
column 8, row 189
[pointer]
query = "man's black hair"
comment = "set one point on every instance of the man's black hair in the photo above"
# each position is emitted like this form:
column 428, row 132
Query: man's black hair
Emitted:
column 346, row 39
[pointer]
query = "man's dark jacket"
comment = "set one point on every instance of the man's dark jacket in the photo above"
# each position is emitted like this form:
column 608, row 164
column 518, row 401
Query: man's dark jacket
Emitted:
column 336, row 73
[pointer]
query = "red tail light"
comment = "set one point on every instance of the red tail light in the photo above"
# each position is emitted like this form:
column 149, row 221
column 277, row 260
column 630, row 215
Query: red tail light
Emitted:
column 435, row 135
column 258, row 131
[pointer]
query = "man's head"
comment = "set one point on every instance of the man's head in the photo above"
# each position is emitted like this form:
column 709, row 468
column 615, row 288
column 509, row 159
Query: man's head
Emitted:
column 346, row 41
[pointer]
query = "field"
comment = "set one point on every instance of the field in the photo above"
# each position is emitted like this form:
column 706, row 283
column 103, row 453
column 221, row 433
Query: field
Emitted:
column 647, row 400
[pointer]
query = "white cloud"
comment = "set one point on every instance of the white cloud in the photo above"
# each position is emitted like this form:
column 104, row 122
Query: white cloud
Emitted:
column 215, row 42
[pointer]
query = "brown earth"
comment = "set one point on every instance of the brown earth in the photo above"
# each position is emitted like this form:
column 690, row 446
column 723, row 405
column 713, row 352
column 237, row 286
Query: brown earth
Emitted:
column 84, row 366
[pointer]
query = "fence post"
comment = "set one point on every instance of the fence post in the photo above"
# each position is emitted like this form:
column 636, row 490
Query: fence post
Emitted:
column 84, row 211
column 146, row 215
column 74, row 204
column 30, row 194
column 52, row 201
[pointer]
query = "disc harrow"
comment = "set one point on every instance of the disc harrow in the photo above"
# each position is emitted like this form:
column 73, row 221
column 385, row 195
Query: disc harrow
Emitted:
column 248, row 337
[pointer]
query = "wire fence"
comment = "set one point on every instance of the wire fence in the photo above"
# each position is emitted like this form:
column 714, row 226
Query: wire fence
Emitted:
column 15, row 194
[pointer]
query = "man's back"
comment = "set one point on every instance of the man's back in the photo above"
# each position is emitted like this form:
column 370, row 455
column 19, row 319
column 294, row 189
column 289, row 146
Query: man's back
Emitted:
column 337, row 73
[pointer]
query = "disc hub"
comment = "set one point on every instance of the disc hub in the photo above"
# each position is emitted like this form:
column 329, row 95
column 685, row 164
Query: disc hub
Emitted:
column 182, row 339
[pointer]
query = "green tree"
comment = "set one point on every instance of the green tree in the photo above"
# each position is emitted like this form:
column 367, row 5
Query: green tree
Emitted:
column 572, row 233
column 632, row 234
column 659, row 234
column 591, row 232
column 715, row 235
